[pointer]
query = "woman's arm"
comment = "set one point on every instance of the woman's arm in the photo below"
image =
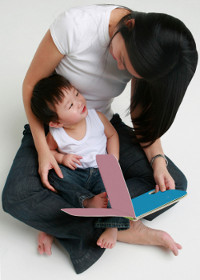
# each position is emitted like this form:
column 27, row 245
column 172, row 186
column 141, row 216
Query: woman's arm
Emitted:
column 46, row 58
column 161, row 175
column 112, row 136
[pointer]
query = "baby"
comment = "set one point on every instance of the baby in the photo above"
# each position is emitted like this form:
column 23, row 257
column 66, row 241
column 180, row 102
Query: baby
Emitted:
column 76, row 135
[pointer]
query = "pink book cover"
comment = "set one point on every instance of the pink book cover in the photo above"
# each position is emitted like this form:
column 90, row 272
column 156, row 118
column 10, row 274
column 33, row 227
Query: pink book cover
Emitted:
column 121, row 203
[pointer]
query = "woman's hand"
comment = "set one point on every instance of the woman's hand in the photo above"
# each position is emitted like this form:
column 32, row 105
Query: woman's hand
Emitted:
column 163, row 179
column 46, row 162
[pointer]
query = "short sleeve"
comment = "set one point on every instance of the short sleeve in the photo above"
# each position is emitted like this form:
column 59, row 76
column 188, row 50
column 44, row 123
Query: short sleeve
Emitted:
column 62, row 33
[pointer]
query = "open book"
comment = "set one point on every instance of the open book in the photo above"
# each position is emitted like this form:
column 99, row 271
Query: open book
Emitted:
column 121, row 203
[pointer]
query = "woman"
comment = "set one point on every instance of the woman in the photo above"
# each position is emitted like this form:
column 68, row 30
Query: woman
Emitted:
column 99, row 49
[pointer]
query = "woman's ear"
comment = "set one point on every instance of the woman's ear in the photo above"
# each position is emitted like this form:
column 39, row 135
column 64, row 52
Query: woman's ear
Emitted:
column 130, row 23
column 55, row 124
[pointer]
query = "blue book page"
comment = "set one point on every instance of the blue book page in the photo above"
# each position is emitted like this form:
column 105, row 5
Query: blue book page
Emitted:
column 150, row 201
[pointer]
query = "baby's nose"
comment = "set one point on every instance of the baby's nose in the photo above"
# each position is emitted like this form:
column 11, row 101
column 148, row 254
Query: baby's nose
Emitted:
column 79, row 104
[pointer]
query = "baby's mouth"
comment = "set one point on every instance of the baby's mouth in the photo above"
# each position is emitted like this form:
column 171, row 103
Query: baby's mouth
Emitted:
column 84, row 109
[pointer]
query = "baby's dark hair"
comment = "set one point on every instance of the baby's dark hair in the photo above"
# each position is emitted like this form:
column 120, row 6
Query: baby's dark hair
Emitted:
column 46, row 93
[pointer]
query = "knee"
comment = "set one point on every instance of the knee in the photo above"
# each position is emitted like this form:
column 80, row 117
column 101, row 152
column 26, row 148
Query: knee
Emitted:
column 15, row 192
column 181, row 183
column 5, row 202
column 10, row 191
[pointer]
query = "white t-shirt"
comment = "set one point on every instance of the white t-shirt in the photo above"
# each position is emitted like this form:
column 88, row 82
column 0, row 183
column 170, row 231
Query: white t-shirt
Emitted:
column 92, row 144
column 82, row 35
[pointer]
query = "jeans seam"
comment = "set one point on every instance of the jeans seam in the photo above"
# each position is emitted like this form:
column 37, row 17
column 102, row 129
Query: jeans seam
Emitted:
column 91, row 171
column 111, row 225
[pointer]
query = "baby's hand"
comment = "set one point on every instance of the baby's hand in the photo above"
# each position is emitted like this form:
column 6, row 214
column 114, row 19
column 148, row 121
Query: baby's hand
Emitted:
column 71, row 160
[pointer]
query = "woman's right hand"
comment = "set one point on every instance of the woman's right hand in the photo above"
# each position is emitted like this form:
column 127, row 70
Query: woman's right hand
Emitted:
column 47, row 162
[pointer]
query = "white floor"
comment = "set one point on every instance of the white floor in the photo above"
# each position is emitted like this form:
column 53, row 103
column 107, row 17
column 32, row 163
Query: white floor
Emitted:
column 23, row 24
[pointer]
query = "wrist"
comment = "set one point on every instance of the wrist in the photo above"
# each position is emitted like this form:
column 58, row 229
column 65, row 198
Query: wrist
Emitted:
column 158, row 159
column 42, row 151
column 59, row 158
column 41, row 145
column 115, row 155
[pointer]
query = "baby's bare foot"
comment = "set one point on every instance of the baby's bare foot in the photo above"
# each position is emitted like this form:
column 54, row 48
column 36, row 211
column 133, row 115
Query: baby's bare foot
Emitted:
column 97, row 201
column 108, row 238
column 44, row 243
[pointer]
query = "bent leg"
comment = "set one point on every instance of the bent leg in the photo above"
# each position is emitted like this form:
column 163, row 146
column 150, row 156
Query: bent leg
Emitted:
column 27, row 200
column 71, row 186
column 97, row 186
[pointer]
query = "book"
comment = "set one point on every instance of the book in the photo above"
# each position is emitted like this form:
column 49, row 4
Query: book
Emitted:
column 121, row 203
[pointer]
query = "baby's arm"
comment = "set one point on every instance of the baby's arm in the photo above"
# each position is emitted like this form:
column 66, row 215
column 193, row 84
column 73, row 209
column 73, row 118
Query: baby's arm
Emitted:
column 69, row 160
column 112, row 136
column 53, row 148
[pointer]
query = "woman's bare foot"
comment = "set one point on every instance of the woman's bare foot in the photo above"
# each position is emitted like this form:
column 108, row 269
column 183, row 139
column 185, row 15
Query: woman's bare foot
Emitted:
column 97, row 201
column 138, row 233
column 44, row 243
column 108, row 238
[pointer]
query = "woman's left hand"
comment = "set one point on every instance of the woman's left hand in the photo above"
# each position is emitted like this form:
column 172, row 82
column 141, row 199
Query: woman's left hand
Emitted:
column 163, row 179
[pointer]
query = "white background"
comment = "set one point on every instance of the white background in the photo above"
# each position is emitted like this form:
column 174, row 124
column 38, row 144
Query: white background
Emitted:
column 22, row 25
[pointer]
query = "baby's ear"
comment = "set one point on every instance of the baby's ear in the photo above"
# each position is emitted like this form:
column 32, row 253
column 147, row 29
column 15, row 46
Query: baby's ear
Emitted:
column 55, row 124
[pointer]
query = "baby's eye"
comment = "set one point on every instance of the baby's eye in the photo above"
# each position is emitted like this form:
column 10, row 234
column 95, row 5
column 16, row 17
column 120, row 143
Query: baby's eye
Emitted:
column 77, row 93
column 70, row 106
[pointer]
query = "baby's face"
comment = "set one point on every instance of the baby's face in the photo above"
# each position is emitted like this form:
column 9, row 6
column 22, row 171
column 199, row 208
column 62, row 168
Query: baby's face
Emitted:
column 72, row 109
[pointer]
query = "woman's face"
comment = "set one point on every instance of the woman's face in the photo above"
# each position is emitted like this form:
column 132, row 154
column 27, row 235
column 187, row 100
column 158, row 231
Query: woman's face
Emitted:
column 120, row 54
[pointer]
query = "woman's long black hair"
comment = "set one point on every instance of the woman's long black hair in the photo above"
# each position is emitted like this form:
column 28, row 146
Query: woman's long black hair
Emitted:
column 162, row 51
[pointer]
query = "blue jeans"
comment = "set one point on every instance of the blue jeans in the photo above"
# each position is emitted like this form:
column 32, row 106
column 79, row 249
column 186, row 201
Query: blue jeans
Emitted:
column 80, row 184
column 25, row 198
